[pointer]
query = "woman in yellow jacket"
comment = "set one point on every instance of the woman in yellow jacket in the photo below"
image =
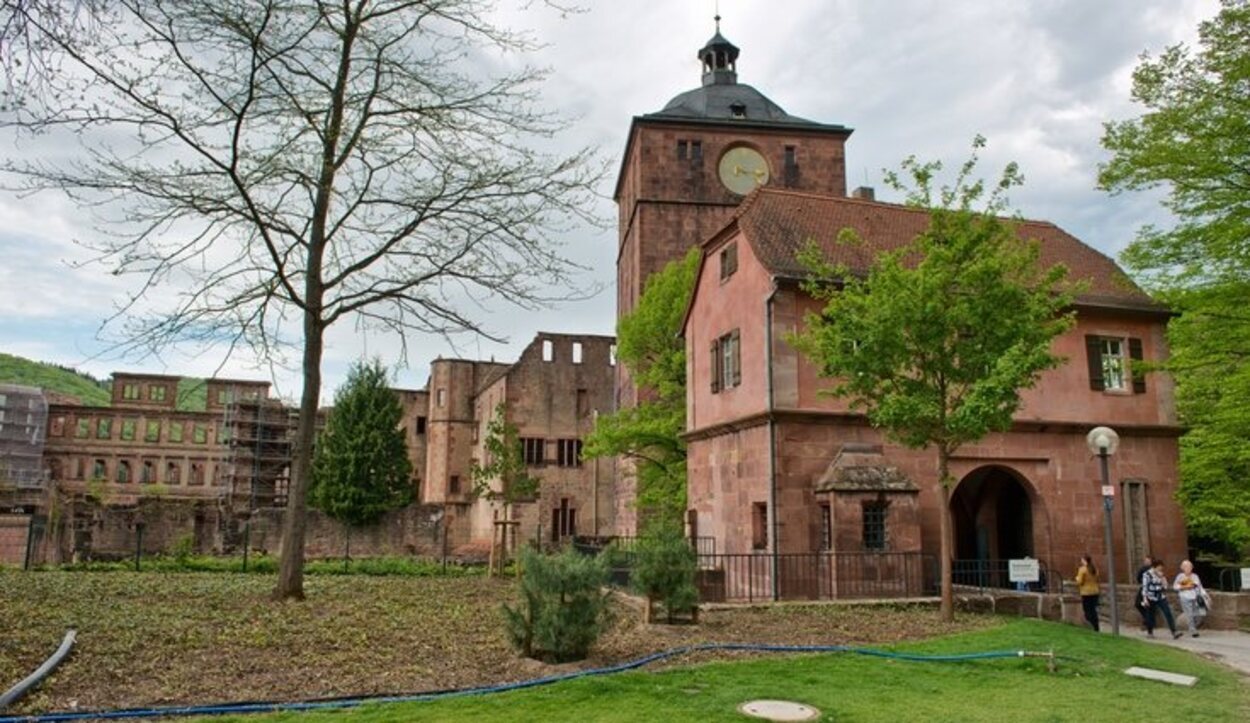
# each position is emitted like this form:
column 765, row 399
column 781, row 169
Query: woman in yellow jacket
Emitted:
column 1087, row 583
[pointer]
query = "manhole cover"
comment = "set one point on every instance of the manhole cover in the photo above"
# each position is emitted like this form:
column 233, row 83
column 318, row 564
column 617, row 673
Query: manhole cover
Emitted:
column 778, row 710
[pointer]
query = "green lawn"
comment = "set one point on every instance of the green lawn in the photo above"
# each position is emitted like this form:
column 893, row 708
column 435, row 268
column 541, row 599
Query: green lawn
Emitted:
column 1089, row 686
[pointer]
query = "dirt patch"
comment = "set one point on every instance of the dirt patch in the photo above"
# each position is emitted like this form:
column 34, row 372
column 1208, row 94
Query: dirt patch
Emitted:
column 160, row 639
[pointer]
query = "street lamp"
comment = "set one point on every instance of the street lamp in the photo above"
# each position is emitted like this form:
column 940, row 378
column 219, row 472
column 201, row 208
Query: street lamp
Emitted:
column 1103, row 441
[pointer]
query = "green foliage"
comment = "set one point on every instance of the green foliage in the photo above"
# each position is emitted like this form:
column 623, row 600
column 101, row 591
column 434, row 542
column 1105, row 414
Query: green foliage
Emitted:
column 361, row 467
column 1194, row 141
column 17, row 370
column 649, row 433
column 183, row 549
column 268, row 565
column 939, row 337
column 664, row 570
column 505, row 464
column 192, row 395
column 562, row 608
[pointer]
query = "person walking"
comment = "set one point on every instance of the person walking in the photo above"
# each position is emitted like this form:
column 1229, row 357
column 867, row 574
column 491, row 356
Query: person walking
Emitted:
column 1193, row 597
column 1087, row 584
column 1139, row 601
column 1155, row 591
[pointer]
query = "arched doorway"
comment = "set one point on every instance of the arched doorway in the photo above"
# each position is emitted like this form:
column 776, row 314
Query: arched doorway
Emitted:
column 992, row 514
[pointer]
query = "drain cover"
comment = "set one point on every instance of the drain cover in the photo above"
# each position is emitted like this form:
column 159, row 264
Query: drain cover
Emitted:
column 778, row 710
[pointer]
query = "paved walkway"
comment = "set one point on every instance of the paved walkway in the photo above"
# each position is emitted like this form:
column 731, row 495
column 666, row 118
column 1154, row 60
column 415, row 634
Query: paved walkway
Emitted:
column 1227, row 646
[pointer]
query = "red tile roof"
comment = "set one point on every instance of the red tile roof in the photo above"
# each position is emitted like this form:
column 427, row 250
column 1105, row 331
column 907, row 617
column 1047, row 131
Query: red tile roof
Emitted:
column 779, row 223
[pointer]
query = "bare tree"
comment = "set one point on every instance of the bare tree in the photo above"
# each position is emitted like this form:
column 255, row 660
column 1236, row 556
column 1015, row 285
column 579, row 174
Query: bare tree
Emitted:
column 286, row 164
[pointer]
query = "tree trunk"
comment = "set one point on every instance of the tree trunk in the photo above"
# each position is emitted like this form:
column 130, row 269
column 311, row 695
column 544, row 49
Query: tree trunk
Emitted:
column 947, row 608
column 291, row 569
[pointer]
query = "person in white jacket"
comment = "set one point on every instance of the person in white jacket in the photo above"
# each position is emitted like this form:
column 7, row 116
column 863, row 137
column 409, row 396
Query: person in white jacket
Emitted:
column 1194, row 599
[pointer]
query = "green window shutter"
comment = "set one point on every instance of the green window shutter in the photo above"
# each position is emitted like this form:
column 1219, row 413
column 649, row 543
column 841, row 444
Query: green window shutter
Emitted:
column 715, row 367
column 1093, row 352
column 1138, row 376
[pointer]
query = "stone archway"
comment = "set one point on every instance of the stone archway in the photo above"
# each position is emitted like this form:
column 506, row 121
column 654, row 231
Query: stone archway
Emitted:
column 992, row 512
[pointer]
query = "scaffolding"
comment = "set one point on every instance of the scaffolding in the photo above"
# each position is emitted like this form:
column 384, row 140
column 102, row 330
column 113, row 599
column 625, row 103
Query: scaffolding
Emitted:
column 23, row 430
column 257, row 467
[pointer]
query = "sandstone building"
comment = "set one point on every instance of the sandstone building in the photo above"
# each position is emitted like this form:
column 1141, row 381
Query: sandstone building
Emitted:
column 775, row 468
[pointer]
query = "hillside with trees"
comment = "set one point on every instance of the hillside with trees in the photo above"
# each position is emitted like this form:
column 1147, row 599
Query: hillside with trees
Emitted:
column 53, row 377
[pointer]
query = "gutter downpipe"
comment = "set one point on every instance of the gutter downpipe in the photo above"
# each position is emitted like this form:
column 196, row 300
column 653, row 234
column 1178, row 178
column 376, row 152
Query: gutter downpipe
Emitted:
column 772, row 444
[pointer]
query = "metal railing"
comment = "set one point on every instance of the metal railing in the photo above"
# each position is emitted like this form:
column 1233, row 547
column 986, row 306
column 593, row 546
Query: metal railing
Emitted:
column 1230, row 580
column 748, row 577
column 628, row 544
column 994, row 575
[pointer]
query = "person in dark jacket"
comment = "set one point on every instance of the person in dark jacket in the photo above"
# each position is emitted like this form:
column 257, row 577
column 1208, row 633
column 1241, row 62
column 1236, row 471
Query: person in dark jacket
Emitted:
column 1155, row 591
column 1139, row 601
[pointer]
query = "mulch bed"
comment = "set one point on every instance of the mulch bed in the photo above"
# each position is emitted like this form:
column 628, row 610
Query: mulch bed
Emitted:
column 161, row 639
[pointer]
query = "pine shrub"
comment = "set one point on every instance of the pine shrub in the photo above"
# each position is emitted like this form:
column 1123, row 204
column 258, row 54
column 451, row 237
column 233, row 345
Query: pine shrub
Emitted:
column 664, row 570
column 562, row 609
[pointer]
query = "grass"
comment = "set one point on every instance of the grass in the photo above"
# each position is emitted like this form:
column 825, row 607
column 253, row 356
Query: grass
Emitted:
column 18, row 370
column 1090, row 686
column 268, row 565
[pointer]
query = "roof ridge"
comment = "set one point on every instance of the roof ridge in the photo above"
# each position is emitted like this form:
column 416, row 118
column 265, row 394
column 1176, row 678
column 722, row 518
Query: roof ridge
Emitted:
column 816, row 195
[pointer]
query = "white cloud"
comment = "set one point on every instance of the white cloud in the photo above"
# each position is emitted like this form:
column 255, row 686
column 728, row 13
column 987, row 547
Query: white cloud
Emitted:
column 912, row 77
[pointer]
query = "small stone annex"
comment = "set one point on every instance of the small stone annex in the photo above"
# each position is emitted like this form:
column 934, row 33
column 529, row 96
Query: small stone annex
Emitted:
column 209, row 461
column 775, row 468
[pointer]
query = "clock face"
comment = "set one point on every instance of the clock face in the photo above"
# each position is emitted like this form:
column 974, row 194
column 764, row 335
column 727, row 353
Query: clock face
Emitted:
column 742, row 169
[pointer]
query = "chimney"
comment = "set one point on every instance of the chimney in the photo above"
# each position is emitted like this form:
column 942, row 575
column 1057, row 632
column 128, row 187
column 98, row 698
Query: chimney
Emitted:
column 864, row 193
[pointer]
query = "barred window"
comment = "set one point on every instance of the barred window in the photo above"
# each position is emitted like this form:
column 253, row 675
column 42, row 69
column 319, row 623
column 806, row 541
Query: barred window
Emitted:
column 874, row 525
column 534, row 450
column 569, row 452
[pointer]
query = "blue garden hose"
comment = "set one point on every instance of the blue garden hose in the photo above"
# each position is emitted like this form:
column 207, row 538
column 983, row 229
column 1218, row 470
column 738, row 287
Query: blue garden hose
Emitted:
column 351, row 702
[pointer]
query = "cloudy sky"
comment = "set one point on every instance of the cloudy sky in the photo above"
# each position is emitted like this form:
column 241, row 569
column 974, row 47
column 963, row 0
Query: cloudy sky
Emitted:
column 1037, row 78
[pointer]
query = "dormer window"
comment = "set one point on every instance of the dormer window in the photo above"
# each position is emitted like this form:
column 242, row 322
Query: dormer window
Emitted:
column 738, row 110
column 728, row 261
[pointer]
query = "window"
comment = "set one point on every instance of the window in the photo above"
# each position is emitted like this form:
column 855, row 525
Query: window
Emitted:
column 728, row 261
column 4, row 400
column 128, row 429
column 223, row 396
column 826, row 526
column 152, row 431
column 157, row 392
column 453, row 485
column 57, row 428
column 577, row 352
column 612, row 355
column 147, row 475
column 442, row 397
column 549, row 350
column 759, row 525
column 683, row 150
column 104, row 429
column 874, row 525
column 82, row 428
column 420, row 425
column 739, row 110
column 199, row 434
column 1109, row 368
column 77, row 465
column 123, row 472
column 696, row 151
column 173, row 473
column 99, row 470
column 197, row 473
column 534, row 450
column 726, row 362
column 563, row 521
column 791, row 167
column 130, row 391
column 175, row 431
column 569, row 452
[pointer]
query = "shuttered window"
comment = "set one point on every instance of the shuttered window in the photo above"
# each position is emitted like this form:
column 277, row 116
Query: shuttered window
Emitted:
column 726, row 362
column 1109, row 367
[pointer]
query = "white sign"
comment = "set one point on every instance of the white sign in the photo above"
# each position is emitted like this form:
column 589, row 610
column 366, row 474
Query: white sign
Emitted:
column 1026, row 570
column 1245, row 578
column 1108, row 490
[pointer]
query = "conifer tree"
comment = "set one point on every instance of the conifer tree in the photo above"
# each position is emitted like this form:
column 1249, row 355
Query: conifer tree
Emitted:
column 360, row 466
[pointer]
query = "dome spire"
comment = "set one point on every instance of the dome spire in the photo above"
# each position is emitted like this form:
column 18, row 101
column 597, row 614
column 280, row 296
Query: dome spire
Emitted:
column 720, row 58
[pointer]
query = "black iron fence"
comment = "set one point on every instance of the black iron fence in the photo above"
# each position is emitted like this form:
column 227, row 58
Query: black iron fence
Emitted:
column 628, row 544
column 995, row 575
column 749, row 577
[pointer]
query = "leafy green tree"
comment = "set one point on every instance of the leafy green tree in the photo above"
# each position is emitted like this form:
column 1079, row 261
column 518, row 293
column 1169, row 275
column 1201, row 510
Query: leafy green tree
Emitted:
column 562, row 609
column 505, row 476
column 1194, row 141
column 649, row 433
column 936, row 341
column 360, row 465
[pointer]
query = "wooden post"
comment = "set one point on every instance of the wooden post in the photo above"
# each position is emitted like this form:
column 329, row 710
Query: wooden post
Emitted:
column 494, row 530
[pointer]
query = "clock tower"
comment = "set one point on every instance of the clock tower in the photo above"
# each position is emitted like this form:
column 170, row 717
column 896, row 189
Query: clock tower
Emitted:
column 687, row 167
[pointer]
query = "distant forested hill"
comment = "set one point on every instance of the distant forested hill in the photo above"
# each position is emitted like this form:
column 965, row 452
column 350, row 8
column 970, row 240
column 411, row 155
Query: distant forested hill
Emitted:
column 17, row 370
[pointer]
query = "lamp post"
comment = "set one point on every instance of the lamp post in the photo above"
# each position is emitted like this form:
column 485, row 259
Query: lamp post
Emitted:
column 1103, row 442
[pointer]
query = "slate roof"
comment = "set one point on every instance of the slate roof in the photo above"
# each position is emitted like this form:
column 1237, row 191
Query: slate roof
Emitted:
column 714, row 102
column 778, row 223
